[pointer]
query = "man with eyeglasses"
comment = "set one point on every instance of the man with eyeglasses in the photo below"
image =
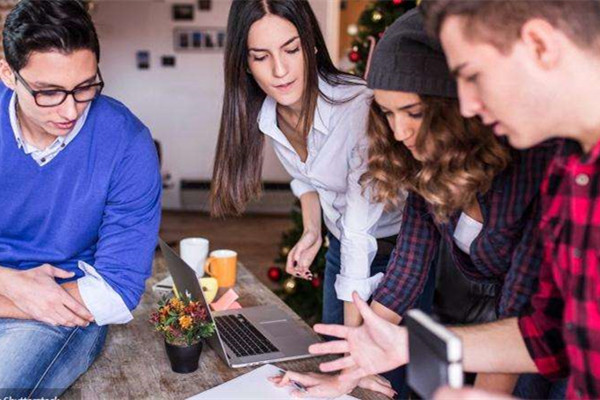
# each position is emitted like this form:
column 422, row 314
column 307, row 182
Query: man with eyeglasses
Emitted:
column 80, row 199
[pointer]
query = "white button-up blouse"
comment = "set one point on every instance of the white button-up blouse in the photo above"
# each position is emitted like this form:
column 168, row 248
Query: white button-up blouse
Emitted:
column 337, row 157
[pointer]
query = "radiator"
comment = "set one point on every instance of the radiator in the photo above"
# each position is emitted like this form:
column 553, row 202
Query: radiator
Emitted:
column 277, row 198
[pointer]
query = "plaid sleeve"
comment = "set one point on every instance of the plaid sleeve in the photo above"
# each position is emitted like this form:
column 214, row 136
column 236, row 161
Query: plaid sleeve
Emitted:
column 521, row 279
column 541, row 328
column 411, row 259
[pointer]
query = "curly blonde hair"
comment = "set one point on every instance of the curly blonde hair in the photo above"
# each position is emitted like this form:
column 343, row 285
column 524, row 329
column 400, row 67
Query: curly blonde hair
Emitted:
column 460, row 158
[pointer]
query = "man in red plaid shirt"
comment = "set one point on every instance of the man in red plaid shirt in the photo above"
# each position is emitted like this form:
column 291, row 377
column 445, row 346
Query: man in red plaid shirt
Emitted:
column 530, row 69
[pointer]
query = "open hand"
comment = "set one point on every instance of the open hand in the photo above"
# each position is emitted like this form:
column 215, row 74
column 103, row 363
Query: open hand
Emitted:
column 374, row 347
column 302, row 255
column 36, row 293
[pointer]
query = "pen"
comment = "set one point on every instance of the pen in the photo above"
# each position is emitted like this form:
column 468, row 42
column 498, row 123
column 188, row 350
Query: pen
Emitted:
column 297, row 385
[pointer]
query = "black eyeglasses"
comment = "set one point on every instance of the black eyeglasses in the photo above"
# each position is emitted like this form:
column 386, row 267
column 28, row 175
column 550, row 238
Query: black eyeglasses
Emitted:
column 55, row 97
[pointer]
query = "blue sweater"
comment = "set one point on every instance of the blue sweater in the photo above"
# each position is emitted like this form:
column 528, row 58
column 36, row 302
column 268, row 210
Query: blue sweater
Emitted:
column 97, row 201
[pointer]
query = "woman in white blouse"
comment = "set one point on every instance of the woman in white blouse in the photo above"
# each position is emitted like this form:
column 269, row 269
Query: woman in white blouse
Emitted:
column 280, row 83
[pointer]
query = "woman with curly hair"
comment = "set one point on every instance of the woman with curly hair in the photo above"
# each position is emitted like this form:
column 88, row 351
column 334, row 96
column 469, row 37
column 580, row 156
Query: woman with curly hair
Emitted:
column 467, row 192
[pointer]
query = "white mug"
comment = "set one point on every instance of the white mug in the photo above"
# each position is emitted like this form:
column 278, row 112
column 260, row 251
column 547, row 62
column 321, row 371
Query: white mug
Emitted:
column 194, row 252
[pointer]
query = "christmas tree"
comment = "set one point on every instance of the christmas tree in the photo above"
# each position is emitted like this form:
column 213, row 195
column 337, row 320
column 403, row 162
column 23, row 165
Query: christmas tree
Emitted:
column 370, row 27
column 306, row 297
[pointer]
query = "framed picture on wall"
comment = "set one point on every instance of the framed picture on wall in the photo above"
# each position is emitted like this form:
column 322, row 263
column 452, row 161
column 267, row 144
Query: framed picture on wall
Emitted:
column 183, row 12
column 208, row 40
column 142, row 58
column 221, row 39
column 197, row 39
column 168, row 61
column 183, row 40
column 204, row 5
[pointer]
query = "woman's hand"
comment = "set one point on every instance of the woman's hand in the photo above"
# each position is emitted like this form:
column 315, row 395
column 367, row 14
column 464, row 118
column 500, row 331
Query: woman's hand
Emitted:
column 322, row 385
column 379, row 384
column 302, row 255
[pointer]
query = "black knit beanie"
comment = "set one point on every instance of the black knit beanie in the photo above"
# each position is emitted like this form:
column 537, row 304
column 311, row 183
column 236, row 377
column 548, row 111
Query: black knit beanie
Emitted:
column 407, row 59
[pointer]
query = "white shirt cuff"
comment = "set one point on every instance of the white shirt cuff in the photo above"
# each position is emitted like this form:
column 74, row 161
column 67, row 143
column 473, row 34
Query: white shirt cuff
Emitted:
column 299, row 187
column 344, row 286
column 100, row 298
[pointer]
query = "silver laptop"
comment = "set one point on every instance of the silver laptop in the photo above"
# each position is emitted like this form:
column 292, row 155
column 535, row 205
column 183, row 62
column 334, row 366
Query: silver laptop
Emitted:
column 248, row 336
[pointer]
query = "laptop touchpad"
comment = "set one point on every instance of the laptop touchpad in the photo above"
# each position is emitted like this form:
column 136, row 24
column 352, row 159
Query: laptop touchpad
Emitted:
column 278, row 328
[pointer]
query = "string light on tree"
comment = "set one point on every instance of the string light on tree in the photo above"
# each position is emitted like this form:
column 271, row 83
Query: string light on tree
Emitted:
column 289, row 285
column 376, row 16
column 352, row 30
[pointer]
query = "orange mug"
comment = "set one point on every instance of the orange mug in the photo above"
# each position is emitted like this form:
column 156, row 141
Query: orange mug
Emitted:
column 222, row 265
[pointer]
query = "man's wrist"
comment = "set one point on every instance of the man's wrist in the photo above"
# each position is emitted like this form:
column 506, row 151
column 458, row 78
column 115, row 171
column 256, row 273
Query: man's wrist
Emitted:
column 4, row 279
column 401, row 356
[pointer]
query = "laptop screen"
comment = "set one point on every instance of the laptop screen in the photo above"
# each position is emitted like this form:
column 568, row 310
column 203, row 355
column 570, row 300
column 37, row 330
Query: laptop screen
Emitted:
column 184, row 277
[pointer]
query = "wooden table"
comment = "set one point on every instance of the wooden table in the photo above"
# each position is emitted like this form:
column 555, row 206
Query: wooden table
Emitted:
column 134, row 364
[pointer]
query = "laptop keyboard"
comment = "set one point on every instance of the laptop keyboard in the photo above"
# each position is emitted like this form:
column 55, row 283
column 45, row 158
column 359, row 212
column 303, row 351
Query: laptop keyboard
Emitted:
column 242, row 337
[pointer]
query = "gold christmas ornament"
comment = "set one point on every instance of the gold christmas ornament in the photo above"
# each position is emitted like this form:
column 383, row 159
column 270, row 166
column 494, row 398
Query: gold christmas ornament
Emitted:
column 285, row 251
column 289, row 285
column 376, row 16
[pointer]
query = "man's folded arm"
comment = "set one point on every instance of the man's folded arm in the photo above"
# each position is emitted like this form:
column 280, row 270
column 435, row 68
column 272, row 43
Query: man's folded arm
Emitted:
column 114, row 284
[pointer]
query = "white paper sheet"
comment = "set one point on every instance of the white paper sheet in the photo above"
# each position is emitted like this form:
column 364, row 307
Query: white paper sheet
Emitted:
column 253, row 385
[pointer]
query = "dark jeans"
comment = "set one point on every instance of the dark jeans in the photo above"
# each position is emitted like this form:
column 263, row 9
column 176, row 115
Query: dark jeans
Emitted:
column 333, row 309
column 535, row 386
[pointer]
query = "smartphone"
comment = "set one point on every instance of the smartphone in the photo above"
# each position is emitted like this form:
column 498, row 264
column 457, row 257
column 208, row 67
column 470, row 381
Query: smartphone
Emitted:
column 435, row 355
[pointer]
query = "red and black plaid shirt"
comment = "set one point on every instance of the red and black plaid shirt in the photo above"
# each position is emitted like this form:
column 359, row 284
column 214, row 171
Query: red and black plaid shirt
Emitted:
column 562, row 330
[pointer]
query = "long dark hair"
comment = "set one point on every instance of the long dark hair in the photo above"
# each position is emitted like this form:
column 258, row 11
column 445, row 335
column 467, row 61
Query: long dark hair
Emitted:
column 239, row 154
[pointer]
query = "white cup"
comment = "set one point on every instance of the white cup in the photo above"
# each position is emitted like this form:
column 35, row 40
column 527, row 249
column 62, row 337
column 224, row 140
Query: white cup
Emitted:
column 194, row 252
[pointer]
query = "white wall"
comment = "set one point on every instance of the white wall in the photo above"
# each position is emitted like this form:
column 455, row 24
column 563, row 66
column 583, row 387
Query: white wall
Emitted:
column 180, row 105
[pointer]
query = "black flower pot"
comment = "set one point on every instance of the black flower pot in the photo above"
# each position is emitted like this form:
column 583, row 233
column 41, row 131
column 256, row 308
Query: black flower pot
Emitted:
column 184, row 359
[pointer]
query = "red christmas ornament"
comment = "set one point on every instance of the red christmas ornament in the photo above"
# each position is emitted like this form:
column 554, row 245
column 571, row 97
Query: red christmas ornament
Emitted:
column 354, row 56
column 316, row 281
column 397, row 2
column 275, row 274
